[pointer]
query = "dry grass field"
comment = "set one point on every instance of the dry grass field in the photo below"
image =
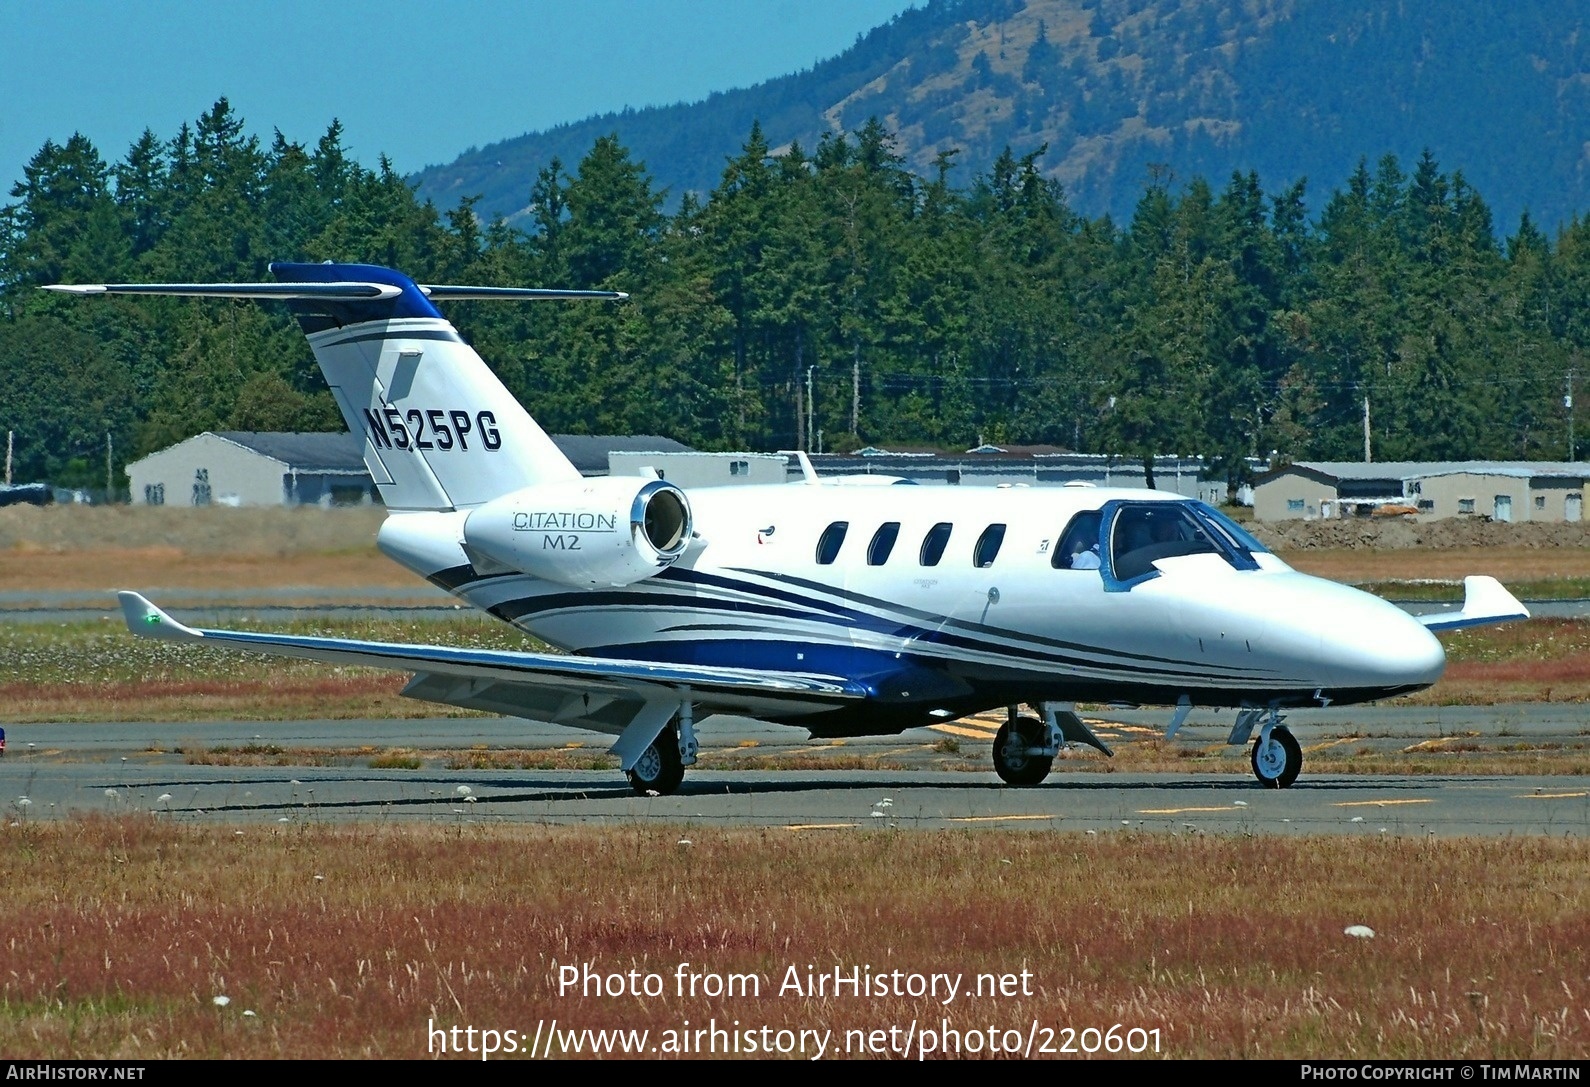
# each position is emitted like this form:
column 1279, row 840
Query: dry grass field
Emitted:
column 1510, row 565
column 122, row 936
column 1418, row 574
column 103, row 549
column 109, row 569
column 207, row 532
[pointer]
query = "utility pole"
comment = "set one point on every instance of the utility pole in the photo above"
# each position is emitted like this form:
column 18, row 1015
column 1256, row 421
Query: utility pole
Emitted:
column 1567, row 402
column 855, row 390
column 1368, row 453
column 811, row 409
column 110, row 495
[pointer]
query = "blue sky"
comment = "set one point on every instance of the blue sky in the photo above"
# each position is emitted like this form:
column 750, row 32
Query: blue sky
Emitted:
column 420, row 82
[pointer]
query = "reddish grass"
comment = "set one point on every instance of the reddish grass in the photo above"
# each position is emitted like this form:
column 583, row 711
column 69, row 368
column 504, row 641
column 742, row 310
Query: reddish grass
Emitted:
column 349, row 941
column 1487, row 684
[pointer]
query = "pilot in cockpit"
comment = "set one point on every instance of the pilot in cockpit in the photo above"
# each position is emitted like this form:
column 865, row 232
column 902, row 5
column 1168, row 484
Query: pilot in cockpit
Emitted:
column 1081, row 545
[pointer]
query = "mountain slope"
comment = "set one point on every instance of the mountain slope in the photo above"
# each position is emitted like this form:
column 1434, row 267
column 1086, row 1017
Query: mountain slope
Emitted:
column 1120, row 88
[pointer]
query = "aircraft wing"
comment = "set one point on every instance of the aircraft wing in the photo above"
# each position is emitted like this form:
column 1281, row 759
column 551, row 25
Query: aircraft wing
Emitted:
column 600, row 693
column 1485, row 600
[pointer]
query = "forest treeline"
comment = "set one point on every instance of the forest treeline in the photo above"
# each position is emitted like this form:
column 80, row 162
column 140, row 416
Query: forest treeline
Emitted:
column 1221, row 320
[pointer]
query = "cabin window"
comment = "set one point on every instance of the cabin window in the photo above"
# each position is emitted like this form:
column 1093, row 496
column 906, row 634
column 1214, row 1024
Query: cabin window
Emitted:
column 1079, row 545
column 934, row 543
column 882, row 543
column 988, row 546
column 828, row 545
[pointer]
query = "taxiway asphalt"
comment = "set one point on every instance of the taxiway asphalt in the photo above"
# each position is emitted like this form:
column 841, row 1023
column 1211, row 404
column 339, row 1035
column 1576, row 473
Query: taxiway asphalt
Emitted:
column 68, row 769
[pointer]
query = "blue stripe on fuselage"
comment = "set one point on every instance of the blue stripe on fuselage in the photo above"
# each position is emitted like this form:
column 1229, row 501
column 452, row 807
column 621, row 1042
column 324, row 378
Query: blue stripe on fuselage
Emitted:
column 885, row 676
column 1035, row 650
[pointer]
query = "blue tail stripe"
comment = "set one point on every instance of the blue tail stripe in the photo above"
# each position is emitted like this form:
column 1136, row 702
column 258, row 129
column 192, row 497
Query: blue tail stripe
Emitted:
column 410, row 303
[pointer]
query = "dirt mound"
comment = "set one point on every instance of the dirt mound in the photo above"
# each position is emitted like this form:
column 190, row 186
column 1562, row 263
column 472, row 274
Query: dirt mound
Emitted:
column 1397, row 534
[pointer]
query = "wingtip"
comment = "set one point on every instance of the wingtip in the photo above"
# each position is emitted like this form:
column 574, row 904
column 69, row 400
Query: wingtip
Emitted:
column 146, row 620
column 1485, row 601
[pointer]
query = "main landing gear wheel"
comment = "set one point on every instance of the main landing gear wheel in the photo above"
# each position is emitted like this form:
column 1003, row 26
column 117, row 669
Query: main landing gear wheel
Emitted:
column 659, row 769
column 1011, row 761
column 1276, row 762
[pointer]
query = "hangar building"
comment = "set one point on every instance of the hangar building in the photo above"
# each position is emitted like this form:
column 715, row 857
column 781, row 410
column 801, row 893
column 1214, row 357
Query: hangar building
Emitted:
column 254, row 468
column 1430, row 490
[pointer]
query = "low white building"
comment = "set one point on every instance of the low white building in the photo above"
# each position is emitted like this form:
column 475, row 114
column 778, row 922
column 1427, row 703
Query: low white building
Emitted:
column 250, row 468
column 254, row 468
column 1431, row 490
column 692, row 469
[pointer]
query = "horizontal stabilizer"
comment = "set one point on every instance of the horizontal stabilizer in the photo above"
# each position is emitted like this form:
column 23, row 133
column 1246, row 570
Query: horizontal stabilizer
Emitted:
column 438, row 292
column 1485, row 600
column 340, row 292
column 336, row 292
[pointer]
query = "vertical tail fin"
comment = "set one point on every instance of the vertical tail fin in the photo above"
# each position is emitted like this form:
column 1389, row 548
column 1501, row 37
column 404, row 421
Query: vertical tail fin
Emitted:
column 440, row 431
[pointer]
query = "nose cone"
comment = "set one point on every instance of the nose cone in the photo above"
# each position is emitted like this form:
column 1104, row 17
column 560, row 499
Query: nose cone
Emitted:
column 1370, row 644
column 1396, row 652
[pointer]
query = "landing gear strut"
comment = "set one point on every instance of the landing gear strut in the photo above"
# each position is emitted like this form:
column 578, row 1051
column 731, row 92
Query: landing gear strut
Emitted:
column 1022, row 753
column 1277, row 758
column 660, row 767
column 659, row 770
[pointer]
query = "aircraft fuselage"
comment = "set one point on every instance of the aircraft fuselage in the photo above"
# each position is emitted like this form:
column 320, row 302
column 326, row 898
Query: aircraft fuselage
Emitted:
column 940, row 622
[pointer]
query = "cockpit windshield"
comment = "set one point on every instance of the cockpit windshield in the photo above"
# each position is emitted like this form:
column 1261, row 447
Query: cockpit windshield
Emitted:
column 1240, row 538
column 1143, row 533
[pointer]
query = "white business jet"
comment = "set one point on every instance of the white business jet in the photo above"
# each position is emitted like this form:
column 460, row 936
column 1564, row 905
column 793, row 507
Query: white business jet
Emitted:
column 843, row 609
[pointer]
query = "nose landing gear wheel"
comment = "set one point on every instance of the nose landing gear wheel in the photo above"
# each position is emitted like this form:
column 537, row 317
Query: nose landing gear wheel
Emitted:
column 1011, row 761
column 659, row 769
column 1276, row 762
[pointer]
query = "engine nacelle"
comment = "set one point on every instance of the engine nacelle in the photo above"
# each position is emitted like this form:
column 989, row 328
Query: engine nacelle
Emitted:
column 607, row 531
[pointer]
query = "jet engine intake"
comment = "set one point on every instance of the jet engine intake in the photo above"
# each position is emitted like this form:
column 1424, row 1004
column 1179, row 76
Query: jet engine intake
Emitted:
column 594, row 532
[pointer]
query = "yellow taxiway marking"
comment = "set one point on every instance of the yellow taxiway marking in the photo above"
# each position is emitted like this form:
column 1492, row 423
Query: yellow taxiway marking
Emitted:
column 1378, row 803
column 998, row 818
column 1332, row 743
column 969, row 733
column 820, row 826
column 1433, row 743
column 1548, row 796
column 1179, row 811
